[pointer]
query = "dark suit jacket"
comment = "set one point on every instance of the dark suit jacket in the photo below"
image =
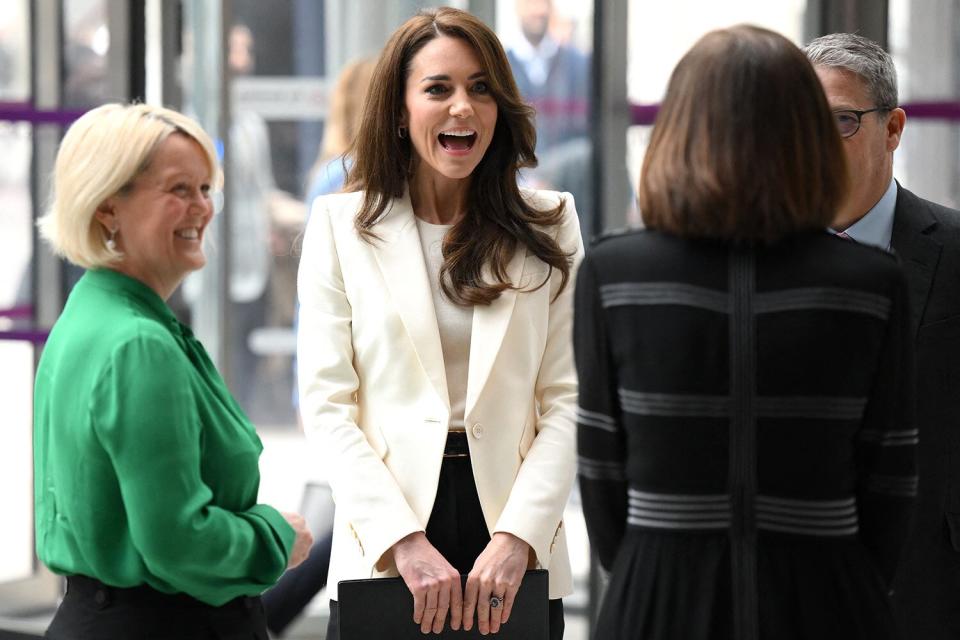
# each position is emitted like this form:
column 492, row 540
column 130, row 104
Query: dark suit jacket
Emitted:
column 561, row 102
column 926, row 591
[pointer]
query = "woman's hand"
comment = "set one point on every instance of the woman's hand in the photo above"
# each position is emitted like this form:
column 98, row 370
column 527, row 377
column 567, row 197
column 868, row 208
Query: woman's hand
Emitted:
column 496, row 572
column 303, row 541
column 434, row 583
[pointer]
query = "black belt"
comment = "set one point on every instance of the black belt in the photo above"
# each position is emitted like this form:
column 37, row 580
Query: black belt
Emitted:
column 102, row 596
column 457, row 445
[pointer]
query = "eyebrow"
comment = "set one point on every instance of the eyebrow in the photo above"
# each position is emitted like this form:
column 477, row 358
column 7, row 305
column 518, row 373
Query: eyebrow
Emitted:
column 445, row 77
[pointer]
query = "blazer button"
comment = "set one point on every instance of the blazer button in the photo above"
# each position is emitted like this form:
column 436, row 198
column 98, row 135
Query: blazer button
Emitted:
column 477, row 431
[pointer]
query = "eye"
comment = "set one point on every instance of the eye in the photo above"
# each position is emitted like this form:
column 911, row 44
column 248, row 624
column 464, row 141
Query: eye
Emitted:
column 435, row 90
column 181, row 189
column 481, row 87
column 845, row 118
column 205, row 191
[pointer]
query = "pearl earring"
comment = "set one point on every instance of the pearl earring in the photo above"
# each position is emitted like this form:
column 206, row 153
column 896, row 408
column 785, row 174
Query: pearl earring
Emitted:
column 111, row 241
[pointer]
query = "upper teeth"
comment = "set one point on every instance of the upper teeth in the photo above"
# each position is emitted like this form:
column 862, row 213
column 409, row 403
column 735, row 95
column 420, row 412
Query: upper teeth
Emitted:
column 459, row 132
column 189, row 234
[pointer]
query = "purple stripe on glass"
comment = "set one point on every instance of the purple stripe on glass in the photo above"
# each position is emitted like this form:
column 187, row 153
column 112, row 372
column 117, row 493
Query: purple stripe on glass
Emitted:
column 644, row 114
column 25, row 112
column 933, row 110
column 36, row 337
column 17, row 312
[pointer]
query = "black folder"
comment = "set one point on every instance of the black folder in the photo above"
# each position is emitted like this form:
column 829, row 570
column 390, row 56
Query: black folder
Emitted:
column 382, row 609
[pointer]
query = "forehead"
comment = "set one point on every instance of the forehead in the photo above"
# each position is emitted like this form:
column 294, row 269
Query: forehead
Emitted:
column 178, row 153
column 844, row 88
column 444, row 55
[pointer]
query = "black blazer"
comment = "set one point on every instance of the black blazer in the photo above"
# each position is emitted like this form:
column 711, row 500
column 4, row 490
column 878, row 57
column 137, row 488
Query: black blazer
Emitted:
column 927, row 588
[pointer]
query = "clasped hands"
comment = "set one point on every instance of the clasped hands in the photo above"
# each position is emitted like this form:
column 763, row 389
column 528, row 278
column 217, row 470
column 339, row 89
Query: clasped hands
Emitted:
column 435, row 584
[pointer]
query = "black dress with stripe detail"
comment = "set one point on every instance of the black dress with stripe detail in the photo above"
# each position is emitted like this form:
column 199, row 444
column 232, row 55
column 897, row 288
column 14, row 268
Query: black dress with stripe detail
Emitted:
column 747, row 450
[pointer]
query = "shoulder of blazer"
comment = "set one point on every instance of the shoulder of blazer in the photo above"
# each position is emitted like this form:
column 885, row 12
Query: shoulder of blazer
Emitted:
column 340, row 207
column 918, row 215
column 543, row 199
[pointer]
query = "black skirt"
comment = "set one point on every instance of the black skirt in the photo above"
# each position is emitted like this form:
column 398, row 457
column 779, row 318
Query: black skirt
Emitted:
column 676, row 585
column 92, row 610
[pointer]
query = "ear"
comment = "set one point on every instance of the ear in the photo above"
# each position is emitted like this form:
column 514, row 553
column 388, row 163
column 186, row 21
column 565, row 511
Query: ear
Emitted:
column 106, row 215
column 895, row 123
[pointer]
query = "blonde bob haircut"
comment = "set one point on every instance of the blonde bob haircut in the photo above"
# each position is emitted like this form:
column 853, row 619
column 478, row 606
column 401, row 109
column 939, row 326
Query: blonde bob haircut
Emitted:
column 99, row 157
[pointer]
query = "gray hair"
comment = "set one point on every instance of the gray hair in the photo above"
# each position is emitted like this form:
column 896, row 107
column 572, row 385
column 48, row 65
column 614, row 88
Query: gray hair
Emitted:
column 861, row 56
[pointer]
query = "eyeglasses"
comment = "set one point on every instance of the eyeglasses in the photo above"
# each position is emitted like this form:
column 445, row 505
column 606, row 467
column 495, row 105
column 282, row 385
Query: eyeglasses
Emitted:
column 848, row 120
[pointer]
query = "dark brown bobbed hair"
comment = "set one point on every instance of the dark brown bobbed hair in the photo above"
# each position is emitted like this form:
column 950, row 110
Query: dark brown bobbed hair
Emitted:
column 744, row 147
column 498, row 221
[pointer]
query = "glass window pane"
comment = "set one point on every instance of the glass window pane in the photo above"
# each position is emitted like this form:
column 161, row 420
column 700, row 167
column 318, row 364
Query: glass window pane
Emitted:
column 549, row 45
column 926, row 50
column 16, row 213
column 14, row 51
column 85, row 49
column 16, row 460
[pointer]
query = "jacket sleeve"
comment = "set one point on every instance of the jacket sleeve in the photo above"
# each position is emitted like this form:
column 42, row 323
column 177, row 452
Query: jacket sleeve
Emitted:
column 148, row 423
column 886, row 453
column 364, row 489
column 534, row 510
column 601, row 444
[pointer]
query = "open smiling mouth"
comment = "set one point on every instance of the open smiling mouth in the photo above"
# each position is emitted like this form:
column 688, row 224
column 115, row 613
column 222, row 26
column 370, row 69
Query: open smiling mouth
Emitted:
column 457, row 141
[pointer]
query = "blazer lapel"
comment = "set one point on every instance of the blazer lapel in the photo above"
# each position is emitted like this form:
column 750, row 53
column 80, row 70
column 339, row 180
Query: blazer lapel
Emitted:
column 400, row 258
column 919, row 251
column 490, row 324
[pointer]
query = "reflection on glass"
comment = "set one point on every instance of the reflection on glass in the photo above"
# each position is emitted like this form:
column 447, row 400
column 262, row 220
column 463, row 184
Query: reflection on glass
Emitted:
column 548, row 46
column 14, row 51
column 16, row 214
column 85, row 48
column 928, row 159
column 16, row 456
column 262, row 209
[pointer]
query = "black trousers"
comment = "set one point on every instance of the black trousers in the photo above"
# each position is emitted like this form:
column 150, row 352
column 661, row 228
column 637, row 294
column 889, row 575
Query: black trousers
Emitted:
column 458, row 531
column 91, row 610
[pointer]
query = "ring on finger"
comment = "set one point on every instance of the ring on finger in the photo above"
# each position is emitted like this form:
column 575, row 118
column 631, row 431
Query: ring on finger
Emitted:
column 496, row 601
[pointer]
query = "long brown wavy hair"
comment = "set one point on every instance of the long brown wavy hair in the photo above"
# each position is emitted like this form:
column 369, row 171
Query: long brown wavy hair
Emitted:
column 498, row 221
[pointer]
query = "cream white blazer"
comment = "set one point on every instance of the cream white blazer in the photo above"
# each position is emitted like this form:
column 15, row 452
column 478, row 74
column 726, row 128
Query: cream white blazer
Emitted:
column 374, row 399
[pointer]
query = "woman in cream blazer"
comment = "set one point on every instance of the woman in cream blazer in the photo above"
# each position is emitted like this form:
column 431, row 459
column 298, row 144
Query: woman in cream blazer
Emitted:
column 372, row 372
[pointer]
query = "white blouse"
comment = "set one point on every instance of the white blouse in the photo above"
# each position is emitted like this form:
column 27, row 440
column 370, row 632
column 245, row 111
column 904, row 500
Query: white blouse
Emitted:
column 455, row 322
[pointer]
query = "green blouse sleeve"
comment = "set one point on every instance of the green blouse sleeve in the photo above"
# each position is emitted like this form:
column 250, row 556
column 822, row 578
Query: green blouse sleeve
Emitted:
column 149, row 425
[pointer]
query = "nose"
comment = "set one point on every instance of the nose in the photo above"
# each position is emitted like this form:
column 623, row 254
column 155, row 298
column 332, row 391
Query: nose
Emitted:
column 462, row 106
column 204, row 203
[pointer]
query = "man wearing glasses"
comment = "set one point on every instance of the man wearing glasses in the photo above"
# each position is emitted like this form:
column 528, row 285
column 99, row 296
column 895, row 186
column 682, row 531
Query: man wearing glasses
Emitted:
column 860, row 83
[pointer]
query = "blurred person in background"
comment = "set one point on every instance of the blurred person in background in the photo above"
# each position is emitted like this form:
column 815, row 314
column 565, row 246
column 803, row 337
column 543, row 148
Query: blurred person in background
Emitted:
column 329, row 172
column 146, row 468
column 747, row 452
column 434, row 338
column 554, row 77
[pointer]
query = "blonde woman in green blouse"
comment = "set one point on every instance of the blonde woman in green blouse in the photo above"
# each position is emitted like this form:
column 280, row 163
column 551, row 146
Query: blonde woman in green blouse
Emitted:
column 146, row 468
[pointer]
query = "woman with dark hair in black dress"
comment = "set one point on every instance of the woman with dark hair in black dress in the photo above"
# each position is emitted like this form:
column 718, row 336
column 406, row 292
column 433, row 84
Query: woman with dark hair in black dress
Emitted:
column 745, row 428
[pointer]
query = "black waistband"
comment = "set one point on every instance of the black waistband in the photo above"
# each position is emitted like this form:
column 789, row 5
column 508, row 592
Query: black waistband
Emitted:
column 102, row 596
column 457, row 445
